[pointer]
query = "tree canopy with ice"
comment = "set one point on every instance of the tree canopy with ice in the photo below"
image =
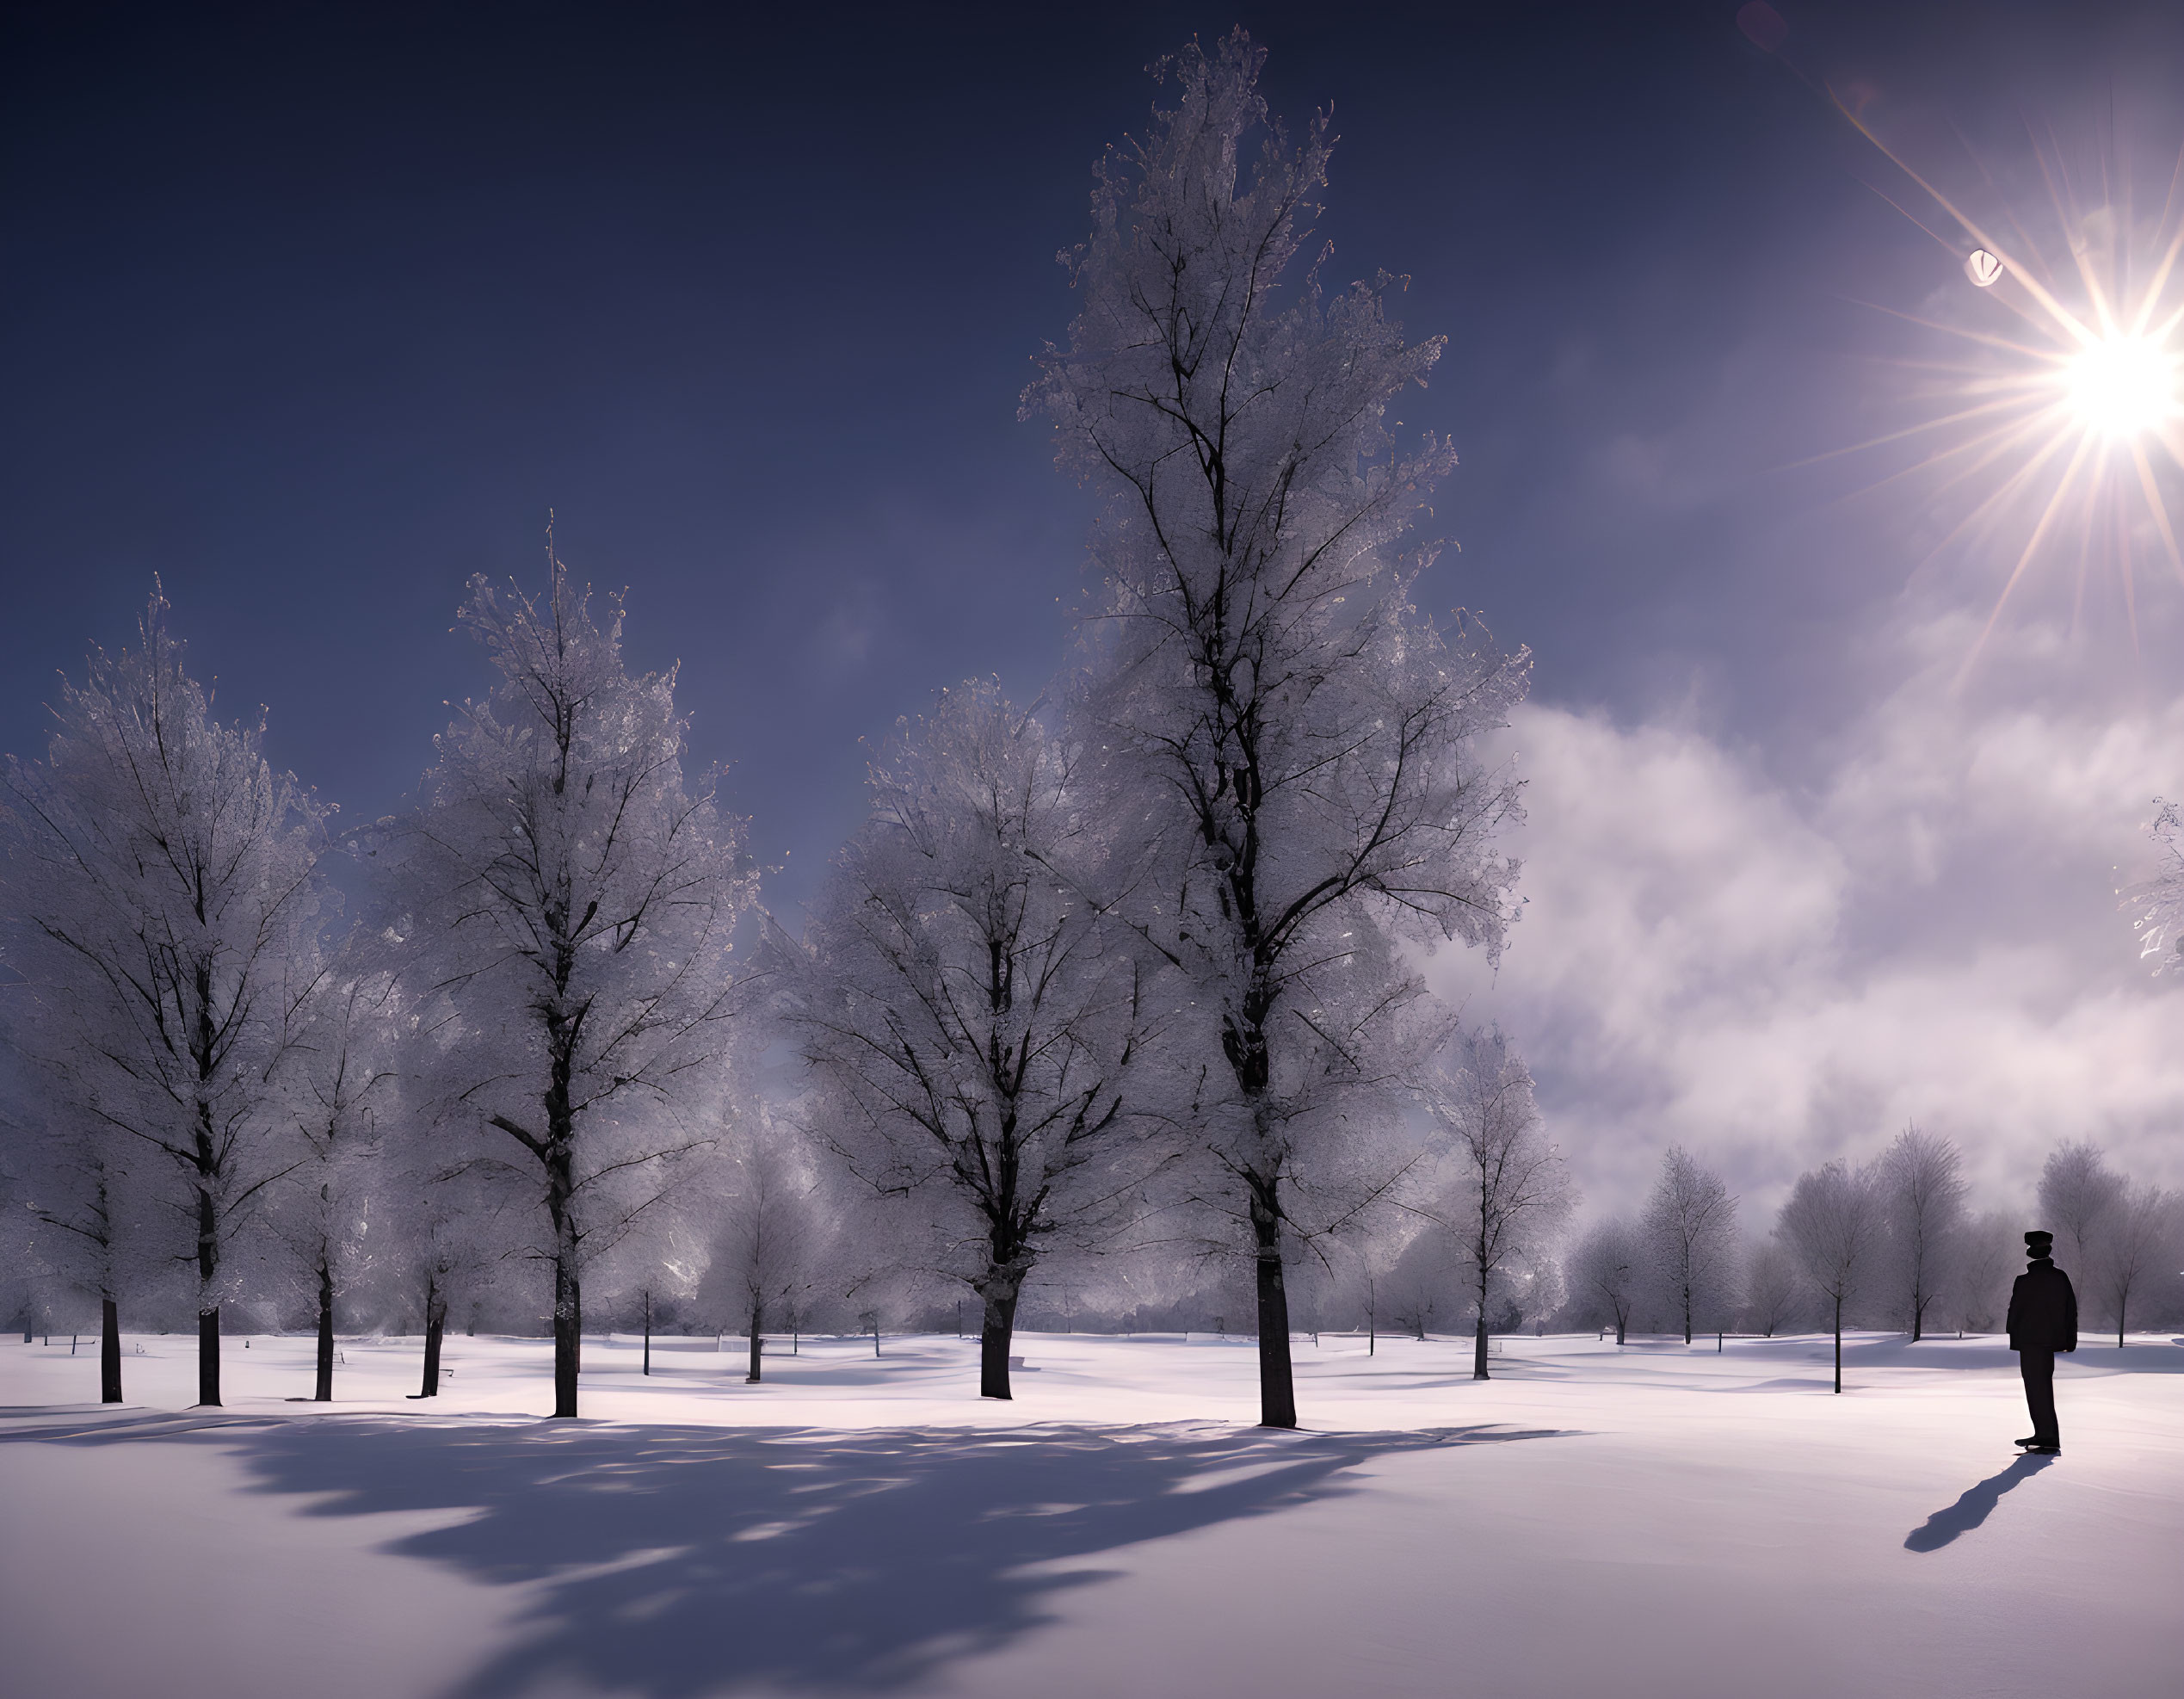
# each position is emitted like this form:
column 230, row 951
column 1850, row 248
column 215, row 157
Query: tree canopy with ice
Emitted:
column 164, row 910
column 1303, row 741
column 567, row 897
column 984, row 1046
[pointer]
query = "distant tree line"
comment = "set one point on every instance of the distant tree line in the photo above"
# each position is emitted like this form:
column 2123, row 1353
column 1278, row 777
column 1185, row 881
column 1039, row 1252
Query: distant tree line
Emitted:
column 1890, row 1244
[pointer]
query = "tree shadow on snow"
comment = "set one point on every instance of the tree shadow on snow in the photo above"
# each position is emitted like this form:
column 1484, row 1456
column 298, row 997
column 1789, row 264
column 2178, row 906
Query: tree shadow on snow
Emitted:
column 1973, row 1507
column 669, row 1562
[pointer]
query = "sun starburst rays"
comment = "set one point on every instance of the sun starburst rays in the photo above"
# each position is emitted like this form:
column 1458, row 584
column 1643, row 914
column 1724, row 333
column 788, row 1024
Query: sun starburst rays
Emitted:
column 2056, row 429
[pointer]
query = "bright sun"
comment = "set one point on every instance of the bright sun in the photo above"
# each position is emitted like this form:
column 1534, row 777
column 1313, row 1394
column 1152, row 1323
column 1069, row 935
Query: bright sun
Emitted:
column 2122, row 387
column 2065, row 427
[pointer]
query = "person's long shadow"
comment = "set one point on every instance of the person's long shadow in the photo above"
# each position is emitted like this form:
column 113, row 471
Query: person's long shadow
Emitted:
column 666, row 1561
column 1973, row 1507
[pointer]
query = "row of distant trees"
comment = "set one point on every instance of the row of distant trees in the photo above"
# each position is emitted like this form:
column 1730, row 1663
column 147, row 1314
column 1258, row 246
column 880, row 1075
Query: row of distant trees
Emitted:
column 1890, row 1243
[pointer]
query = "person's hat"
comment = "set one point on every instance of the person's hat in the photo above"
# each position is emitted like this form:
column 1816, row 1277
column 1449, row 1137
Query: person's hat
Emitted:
column 2040, row 1244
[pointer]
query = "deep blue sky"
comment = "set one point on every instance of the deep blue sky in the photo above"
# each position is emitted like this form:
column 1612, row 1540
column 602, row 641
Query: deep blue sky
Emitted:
column 316, row 311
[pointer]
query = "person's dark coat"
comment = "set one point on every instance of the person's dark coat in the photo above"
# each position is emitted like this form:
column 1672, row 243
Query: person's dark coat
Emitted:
column 2043, row 1311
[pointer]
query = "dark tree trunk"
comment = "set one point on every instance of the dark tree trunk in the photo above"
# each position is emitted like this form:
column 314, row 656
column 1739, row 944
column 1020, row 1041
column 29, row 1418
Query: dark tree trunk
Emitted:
column 1838, row 1345
column 205, row 1158
column 109, row 1352
column 1478, row 1331
column 757, row 1338
column 568, row 1336
column 557, row 1154
column 209, row 1355
column 322, row 1392
column 648, row 1330
column 568, row 1296
column 995, row 1336
column 1277, row 1392
column 435, row 1327
column 208, row 1264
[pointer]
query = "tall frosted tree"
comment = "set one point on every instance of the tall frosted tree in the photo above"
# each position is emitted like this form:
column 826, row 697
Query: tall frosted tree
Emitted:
column 1836, row 1223
column 1301, row 739
column 1512, row 1192
column 165, row 912
column 1689, row 1228
column 1922, row 1185
column 976, row 1036
column 567, row 896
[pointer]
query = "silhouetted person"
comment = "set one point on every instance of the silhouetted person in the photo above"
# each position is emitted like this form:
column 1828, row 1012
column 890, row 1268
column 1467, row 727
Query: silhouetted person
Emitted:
column 2043, row 1320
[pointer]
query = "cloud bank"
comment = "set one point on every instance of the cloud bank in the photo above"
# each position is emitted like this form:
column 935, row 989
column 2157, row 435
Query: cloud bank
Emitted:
column 1927, row 930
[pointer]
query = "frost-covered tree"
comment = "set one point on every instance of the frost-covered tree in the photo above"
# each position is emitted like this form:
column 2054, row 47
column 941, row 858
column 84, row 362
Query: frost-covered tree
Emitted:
column 1689, row 1229
column 566, row 896
column 444, row 1227
column 1378, row 1256
column 1512, row 1192
column 2078, row 1195
column 341, row 1074
column 1836, row 1222
column 1422, row 1283
column 769, row 1244
column 975, row 1035
column 164, row 912
column 2139, row 1245
column 1303, row 741
column 1922, row 1185
column 1608, row 1272
column 1991, row 1252
column 76, row 1227
column 1772, row 1294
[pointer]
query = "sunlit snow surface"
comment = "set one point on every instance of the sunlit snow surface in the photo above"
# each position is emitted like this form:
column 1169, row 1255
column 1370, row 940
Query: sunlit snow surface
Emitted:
column 1652, row 1521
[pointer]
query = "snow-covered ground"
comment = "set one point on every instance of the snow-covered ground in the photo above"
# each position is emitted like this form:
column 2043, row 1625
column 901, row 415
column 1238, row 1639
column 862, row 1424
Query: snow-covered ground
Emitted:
column 1634, row 1522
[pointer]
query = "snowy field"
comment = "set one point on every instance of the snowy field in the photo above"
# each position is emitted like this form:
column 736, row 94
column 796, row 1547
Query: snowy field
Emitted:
column 1643, row 1522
